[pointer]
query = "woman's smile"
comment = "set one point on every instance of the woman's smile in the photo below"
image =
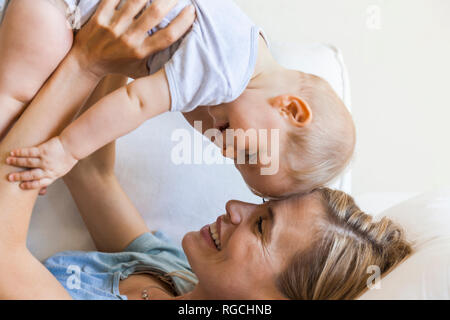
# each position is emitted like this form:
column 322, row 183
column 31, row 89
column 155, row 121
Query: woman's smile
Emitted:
column 214, row 231
column 211, row 234
column 206, row 235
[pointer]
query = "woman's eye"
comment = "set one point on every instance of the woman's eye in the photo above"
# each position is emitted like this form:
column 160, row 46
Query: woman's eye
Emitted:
column 260, row 220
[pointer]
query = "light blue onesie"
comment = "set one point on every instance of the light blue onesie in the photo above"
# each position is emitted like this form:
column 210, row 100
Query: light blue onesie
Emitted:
column 212, row 64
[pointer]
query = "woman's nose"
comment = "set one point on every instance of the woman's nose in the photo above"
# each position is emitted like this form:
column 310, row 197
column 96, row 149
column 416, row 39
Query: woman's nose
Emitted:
column 237, row 211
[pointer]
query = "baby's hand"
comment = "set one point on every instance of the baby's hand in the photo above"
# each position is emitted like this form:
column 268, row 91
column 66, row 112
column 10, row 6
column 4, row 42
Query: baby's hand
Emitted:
column 46, row 163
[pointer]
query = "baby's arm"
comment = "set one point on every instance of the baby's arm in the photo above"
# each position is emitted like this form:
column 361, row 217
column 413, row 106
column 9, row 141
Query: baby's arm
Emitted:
column 116, row 115
column 112, row 117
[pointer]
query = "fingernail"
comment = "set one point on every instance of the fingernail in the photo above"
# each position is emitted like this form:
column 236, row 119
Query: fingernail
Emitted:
column 8, row 160
column 11, row 177
column 191, row 8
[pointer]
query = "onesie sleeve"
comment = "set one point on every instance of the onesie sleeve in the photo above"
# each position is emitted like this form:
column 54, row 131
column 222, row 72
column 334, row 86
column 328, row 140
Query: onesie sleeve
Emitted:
column 195, row 76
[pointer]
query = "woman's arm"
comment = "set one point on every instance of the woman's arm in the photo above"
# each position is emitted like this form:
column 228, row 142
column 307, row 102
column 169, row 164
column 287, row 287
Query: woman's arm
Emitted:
column 52, row 109
column 21, row 275
column 108, row 213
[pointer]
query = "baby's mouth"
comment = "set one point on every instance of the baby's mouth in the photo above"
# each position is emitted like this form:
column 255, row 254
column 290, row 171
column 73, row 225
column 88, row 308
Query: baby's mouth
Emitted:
column 222, row 127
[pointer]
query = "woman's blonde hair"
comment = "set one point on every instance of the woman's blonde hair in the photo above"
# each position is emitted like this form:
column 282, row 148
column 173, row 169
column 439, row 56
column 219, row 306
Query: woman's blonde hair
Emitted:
column 336, row 265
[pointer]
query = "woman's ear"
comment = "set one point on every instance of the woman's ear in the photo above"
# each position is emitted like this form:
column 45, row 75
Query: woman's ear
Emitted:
column 293, row 108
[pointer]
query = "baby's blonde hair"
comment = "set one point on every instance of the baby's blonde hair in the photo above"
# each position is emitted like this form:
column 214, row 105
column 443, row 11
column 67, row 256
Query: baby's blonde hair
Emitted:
column 318, row 153
column 348, row 241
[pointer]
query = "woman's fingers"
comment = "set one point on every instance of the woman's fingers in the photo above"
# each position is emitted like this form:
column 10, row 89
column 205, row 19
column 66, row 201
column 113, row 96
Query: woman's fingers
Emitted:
column 106, row 10
column 28, row 175
column 131, row 9
column 115, row 40
column 169, row 35
column 26, row 152
column 24, row 162
column 151, row 17
column 125, row 16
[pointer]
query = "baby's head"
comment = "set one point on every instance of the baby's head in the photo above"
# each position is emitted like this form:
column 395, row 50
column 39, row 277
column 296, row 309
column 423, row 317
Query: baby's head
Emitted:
column 314, row 143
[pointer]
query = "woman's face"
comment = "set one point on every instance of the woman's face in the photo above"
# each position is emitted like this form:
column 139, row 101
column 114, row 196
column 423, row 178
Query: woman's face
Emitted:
column 255, row 244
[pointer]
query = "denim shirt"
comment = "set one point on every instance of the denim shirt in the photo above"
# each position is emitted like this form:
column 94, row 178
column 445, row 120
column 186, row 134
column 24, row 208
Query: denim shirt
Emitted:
column 96, row 275
column 3, row 5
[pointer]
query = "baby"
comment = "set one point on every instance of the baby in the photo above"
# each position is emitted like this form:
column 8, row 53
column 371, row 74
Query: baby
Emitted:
column 223, row 74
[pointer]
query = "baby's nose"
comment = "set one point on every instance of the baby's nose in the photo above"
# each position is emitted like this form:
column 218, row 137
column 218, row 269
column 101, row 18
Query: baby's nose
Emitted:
column 217, row 113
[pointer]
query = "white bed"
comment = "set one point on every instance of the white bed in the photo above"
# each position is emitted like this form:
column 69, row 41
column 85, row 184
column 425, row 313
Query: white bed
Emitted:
column 426, row 220
column 177, row 199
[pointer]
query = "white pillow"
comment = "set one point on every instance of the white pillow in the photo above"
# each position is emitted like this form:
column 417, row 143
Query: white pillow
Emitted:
column 426, row 274
column 172, row 198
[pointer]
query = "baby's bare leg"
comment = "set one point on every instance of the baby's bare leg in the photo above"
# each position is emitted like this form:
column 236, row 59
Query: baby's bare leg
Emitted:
column 34, row 38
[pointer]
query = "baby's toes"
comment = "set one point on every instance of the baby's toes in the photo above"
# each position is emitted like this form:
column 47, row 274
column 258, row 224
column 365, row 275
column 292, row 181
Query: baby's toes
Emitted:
column 27, row 152
column 24, row 162
column 31, row 185
column 28, row 175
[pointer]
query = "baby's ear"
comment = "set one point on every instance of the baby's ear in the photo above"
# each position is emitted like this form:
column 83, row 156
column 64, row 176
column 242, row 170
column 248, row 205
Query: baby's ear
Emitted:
column 293, row 108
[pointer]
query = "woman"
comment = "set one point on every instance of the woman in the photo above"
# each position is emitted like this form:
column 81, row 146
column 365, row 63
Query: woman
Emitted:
column 313, row 247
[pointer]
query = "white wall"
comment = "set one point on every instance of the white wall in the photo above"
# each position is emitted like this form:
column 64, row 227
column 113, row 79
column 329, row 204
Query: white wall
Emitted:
column 400, row 80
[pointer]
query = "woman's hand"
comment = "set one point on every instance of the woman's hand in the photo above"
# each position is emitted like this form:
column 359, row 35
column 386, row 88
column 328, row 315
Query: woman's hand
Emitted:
column 115, row 41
